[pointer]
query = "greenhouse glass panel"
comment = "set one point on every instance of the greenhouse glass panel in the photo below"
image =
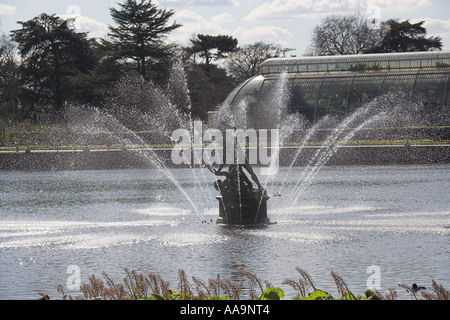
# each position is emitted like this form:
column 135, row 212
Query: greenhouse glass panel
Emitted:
column 447, row 95
column 303, row 68
column 303, row 96
column 393, row 64
column 274, row 69
column 333, row 94
column 292, row 68
column 415, row 63
column 383, row 64
column 398, row 82
column 231, row 97
column 404, row 64
column 340, row 84
column 268, row 105
column 322, row 67
column 341, row 66
column 364, row 89
column 312, row 68
column 430, row 87
column 249, row 94
column 332, row 67
column 426, row 63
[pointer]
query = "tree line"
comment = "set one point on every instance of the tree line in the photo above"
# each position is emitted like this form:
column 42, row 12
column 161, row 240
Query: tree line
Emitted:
column 354, row 34
column 58, row 65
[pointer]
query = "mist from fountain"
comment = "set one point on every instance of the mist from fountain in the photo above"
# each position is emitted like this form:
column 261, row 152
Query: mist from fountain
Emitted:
column 138, row 105
column 390, row 110
column 394, row 109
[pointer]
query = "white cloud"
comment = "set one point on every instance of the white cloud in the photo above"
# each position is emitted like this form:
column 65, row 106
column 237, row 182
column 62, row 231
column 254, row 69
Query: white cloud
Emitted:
column 392, row 7
column 435, row 27
column 193, row 23
column 190, row 3
column 235, row 3
column 291, row 9
column 265, row 33
column 222, row 19
column 294, row 9
column 7, row 9
column 95, row 28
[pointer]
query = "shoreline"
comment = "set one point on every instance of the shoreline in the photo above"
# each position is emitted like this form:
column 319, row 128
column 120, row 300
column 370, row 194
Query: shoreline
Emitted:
column 66, row 160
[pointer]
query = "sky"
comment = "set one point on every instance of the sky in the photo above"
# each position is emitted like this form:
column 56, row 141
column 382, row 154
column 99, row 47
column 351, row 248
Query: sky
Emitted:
column 288, row 23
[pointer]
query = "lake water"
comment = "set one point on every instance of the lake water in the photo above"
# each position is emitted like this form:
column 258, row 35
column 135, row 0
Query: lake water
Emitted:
column 348, row 219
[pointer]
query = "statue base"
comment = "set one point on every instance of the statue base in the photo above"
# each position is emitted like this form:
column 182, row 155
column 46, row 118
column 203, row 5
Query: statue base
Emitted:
column 246, row 209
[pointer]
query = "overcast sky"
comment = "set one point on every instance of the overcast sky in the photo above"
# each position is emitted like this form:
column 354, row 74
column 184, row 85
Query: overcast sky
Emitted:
column 285, row 22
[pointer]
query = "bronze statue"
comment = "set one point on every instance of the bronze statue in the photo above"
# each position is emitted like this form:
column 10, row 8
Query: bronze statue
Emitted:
column 240, row 202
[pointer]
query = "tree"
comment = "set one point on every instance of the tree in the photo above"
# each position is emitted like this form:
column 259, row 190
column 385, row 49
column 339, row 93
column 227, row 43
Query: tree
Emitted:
column 244, row 62
column 91, row 88
column 403, row 36
column 9, row 79
column 342, row 35
column 51, row 53
column 207, row 90
column 213, row 47
column 140, row 33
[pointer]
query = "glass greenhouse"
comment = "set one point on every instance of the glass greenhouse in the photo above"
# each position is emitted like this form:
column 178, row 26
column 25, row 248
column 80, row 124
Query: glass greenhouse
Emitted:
column 340, row 84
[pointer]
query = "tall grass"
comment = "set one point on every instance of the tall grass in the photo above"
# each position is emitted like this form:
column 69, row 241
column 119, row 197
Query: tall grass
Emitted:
column 137, row 286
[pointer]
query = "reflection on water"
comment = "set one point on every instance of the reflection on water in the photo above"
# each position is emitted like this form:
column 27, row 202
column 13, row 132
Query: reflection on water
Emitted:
column 349, row 218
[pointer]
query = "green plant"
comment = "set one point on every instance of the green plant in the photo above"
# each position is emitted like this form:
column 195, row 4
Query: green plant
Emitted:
column 317, row 295
column 442, row 65
column 272, row 293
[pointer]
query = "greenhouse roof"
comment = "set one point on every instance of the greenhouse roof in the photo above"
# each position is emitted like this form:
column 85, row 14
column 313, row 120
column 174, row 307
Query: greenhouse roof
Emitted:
column 362, row 62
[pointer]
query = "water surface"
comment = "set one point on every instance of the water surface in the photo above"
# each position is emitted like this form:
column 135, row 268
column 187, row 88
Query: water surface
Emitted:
column 348, row 218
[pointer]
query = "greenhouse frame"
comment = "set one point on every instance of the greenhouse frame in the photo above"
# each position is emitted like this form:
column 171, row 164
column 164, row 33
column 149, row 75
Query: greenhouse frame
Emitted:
column 339, row 84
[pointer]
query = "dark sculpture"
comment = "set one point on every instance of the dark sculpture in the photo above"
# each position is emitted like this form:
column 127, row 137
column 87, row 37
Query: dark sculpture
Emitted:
column 240, row 203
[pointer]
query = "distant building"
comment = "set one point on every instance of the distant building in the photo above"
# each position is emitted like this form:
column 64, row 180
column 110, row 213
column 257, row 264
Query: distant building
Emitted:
column 340, row 84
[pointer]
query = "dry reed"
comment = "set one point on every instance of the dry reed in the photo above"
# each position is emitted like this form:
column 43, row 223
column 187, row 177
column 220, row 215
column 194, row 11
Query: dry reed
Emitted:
column 136, row 286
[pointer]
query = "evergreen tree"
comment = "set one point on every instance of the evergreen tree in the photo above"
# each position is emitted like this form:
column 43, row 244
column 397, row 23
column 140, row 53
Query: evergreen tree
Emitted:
column 140, row 33
column 213, row 47
column 52, row 52
column 207, row 91
column 403, row 36
column 93, row 87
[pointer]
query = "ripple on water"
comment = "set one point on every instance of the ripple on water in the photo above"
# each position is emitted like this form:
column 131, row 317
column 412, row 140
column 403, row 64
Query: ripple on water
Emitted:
column 190, row 239
column 303, row 237
column 161, row 211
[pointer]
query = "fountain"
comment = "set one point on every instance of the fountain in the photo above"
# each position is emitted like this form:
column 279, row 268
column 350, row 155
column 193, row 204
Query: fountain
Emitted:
column 239, row 202
column 141, row 108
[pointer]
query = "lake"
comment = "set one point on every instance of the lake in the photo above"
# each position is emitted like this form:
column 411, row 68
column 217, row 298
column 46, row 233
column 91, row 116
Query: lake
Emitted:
column 348, row 219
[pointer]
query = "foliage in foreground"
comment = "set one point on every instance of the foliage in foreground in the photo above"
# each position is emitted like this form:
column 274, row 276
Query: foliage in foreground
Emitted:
column 136, row 286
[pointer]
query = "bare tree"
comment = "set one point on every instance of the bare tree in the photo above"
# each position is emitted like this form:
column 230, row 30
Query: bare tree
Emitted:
column 342, row 35
column 244, row 63
column 9, row 78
